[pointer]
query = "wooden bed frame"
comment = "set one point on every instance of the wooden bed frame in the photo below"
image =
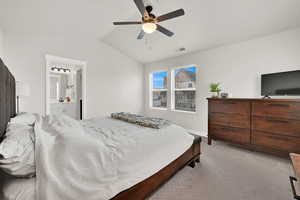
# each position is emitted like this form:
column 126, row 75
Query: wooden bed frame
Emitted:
column 147, row 187
column 138, row 192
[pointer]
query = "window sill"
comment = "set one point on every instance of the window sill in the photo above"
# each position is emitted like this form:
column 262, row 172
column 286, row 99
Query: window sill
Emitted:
column 185, row 89
column 182, row 111
column 154, row 108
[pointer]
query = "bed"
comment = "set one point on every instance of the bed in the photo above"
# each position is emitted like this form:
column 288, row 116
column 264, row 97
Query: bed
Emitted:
column 139, row 190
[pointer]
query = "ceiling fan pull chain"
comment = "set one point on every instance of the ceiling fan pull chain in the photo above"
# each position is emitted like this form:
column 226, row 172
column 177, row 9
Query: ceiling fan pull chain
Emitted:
column 148, row 43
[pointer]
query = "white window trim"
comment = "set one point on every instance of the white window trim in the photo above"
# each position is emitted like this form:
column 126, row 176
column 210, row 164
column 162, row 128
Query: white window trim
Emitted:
column 159, row 90
column 183, row 111
column 158, row 108
column 173, row 89
column 186, row 89
column 151, row 90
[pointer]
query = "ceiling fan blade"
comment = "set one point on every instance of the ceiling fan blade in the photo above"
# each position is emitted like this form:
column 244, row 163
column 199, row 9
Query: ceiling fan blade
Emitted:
column 126, row 23
column 140, row 5
column 171, row 15
column 164, row 30
column 141, row 35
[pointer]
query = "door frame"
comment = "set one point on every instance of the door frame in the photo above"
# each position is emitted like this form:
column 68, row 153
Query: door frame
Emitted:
column 83, row 65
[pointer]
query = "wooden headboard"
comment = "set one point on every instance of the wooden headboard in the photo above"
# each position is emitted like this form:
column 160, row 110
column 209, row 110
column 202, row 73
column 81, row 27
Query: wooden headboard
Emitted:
column 7, row 97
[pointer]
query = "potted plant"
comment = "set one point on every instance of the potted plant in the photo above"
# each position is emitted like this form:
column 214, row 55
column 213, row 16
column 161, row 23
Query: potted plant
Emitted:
column 215, row 89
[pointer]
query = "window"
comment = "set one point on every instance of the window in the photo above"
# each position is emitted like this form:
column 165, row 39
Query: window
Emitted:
column 159, row 89
column 184, row 89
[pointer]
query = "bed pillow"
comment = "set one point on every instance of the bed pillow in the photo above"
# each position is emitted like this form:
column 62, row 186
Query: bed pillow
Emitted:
column 17, row 151
column 12, row 128
column 25, row 118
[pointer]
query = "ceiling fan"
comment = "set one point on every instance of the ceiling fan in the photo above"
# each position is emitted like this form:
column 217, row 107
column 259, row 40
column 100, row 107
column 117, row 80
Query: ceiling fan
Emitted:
column 150, row 21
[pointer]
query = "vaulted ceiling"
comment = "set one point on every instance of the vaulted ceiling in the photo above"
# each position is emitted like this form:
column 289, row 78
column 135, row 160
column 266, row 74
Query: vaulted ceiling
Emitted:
column 85, row 18
column 207, row 23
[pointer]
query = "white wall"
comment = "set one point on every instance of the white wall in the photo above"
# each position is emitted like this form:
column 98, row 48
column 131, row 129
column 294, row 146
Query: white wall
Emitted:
column 114, row 81
column 237, row 67
column 1, row 43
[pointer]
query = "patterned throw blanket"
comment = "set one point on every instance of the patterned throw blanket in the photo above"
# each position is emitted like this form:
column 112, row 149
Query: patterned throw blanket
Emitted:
column 149, row 122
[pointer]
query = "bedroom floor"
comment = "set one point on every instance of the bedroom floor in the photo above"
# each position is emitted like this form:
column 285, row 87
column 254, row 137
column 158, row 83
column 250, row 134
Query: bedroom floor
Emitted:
column 230, row 173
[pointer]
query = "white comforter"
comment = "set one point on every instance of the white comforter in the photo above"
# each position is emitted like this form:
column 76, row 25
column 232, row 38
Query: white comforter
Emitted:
column 17, row 188
column 99, row 158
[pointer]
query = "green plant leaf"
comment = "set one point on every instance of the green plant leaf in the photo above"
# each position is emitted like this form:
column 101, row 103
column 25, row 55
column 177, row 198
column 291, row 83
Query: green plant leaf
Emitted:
column 215, row 87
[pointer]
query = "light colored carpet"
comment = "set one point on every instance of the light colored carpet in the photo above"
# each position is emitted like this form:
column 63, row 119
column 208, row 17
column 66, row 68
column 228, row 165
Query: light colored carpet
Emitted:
column 226, row 172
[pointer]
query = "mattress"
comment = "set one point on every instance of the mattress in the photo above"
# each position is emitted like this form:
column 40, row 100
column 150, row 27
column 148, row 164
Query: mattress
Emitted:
column 145, row 151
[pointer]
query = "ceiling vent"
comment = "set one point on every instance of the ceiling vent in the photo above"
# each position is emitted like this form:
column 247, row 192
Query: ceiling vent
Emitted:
column 182, row 49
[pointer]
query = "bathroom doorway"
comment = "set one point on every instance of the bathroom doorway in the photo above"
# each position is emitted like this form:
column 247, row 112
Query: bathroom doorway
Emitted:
column 65, row 87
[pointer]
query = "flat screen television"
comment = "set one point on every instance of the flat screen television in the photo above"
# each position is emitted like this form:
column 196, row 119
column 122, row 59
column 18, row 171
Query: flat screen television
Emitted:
column 281, row 84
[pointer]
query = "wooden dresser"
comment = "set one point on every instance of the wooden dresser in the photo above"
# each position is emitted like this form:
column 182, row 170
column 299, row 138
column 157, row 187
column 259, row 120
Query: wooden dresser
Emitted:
column 269, row 125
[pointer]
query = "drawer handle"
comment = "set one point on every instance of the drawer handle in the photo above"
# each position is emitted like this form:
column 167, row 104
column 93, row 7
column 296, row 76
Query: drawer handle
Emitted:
column 229, row 129
column 226, row 129
column 277, row 121
column 279, row 138
column 292, row 179
column 279, row 105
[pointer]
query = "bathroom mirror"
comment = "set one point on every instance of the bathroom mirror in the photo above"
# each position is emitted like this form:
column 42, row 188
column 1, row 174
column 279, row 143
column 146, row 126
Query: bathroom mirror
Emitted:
column 62, row 87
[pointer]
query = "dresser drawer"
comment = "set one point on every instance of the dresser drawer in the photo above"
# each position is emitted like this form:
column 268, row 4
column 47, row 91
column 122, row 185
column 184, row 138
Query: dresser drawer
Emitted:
column 276, row 125
column 288, row 110
column 282, row 143
column 233, row 120
column 236, row 135
column 229, row 106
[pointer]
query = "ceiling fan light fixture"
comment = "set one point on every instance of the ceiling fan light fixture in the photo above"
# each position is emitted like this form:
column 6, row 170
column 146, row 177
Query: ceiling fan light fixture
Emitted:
column 149, row 22
column 149, row 27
